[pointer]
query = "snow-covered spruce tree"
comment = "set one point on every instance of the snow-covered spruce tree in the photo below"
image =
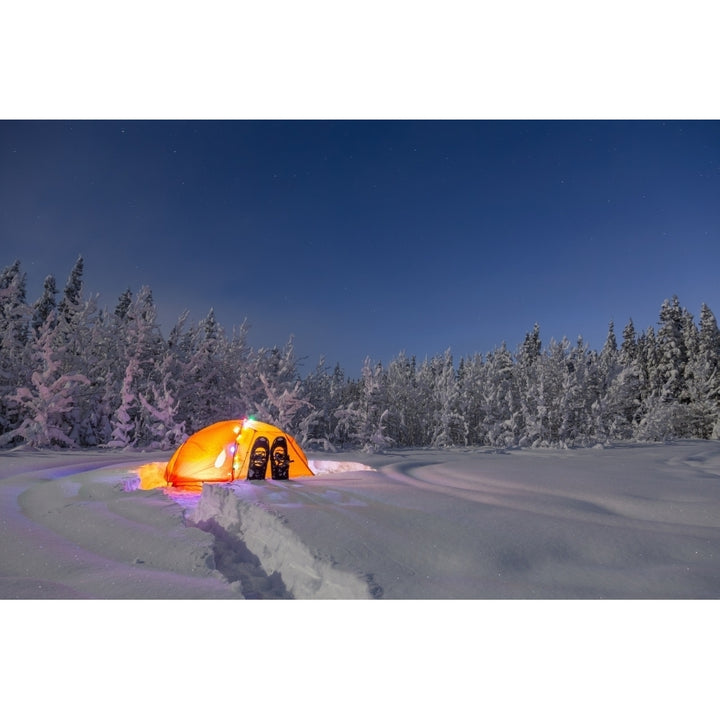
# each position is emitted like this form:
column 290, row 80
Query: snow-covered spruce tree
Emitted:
column 405, row 421
column 45, row 304
column 647, row 364
column 527, row 372
column 282, row 397
column 72, row 293
column 608, row 410
column 281, row 407
column 693, row 421
column 430, row 409
column 364, row 419
column 704, row 377
column 623, row 389
column 284, row 394
column 123, row 305
column 146, row 415
column 162, row 428
column 313, row 420
column 156, row 421
column 15, row 363
column 673, row 353
column 316, row 421
column 123, row 419
column 96, row 401
column 629, row 347
column 180, row 348
column 141, row 359
column 106, row 361
column 211, row 374
column 14, row 311
column 501, row 403
column 471, row 384
column 666, row 412
column 236, row 364
column 578, row 396
column 205, row 387
column 633, row 381
column 77, row 319
column 448, row 424
column 343, row 391
column 48, row 401
column 345, row 414
column 551, row 366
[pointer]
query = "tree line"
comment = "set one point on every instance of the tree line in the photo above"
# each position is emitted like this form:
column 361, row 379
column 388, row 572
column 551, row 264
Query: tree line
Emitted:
column 75, row 375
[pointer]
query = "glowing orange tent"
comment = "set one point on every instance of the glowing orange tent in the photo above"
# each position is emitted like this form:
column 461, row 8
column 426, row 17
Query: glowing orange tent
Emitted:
column 236, row 450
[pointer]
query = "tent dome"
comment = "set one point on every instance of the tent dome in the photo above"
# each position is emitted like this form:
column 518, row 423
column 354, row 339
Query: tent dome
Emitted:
column 233, row 450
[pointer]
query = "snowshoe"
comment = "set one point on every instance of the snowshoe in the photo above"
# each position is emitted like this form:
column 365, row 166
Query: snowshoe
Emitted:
column 258, row 459
column 279, row 459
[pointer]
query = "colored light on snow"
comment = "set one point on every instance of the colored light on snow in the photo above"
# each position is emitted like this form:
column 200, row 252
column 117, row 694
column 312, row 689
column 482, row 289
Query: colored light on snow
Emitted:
column 152, row 476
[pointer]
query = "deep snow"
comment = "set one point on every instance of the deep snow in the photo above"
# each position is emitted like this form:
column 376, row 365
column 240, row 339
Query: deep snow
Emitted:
column 620, row 522
column 639, row 521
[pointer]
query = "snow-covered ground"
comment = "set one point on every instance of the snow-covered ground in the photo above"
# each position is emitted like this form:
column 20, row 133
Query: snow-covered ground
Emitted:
column 638, row 521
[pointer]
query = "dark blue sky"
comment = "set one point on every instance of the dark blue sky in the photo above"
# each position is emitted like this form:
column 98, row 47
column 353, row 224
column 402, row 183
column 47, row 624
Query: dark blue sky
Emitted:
column 372, row 237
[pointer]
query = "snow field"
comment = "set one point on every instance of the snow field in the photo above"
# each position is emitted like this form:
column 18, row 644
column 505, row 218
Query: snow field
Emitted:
column 633, row 521
column 621, row 522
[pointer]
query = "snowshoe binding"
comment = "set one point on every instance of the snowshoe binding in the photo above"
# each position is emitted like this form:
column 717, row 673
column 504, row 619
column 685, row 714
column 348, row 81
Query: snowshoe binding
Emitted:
column 279, row 459
column 259, row 455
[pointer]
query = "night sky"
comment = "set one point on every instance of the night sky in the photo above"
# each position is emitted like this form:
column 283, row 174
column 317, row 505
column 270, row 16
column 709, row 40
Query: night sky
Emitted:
column 373, row 237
